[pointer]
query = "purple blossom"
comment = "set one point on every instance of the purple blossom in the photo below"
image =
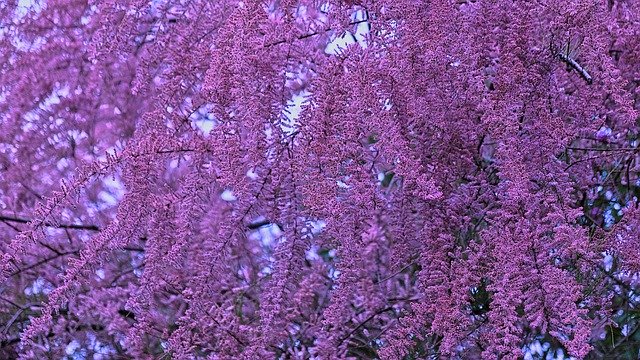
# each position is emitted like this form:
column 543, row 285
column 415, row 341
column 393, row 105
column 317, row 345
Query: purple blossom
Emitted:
column 318, row 180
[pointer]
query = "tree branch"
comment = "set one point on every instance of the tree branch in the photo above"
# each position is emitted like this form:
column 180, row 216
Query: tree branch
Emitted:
column 302, row 37
column 49, row 224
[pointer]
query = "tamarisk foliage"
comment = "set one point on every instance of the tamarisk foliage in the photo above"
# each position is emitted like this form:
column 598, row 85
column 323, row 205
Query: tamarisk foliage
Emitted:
column 319, row 179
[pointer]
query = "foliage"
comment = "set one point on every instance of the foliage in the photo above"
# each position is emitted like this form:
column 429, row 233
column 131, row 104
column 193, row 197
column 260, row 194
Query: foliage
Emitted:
column 319, row 179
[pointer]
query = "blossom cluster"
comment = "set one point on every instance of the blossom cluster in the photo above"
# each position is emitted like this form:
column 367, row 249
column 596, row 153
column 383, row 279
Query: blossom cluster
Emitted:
column 311, row 179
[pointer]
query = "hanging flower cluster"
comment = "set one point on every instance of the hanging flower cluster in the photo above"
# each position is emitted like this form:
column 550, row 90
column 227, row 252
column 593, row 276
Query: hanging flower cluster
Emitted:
column 306, row 179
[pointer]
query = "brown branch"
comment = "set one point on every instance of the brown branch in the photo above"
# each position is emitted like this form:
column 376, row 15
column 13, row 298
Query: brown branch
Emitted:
column 305, row 36
column 49, row 224
column 395, row 273
column 371, row 317
column 586, row 159
column 596, row 149
column 44, row 261
column 576, row 66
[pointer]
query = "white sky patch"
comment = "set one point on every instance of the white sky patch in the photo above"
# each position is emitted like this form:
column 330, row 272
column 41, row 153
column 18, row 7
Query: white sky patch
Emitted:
column 342, row 184
column 204, row 125
column 350, row 37
column 292, row 112
column 108, row 199
column 625, row 329
column 25, row 6
column 100, row 351
column 251, row 174
column 387, row 104
column 339, row 43
column 100, row 274
column 23, row 9
column 312, row 254
column 334, row 274
column 113, row 193
column 40, row 286
column 72, row 347
column 115, row 186
column 269, row 233
column 608, row 262
column 227, row 195
column 62, row 164
column 317, row 227
column 47, row 104
column 265, row 271
column 268, row 133
column 203, row 119
column 535, row 350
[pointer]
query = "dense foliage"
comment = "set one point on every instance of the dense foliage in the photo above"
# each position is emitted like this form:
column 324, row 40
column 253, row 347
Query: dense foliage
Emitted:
column 310, row 179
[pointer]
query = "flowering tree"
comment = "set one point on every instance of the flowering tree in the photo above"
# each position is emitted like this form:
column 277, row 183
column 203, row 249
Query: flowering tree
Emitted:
column 319, row 179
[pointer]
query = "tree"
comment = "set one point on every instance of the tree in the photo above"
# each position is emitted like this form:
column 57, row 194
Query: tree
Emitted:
column 301, row 179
